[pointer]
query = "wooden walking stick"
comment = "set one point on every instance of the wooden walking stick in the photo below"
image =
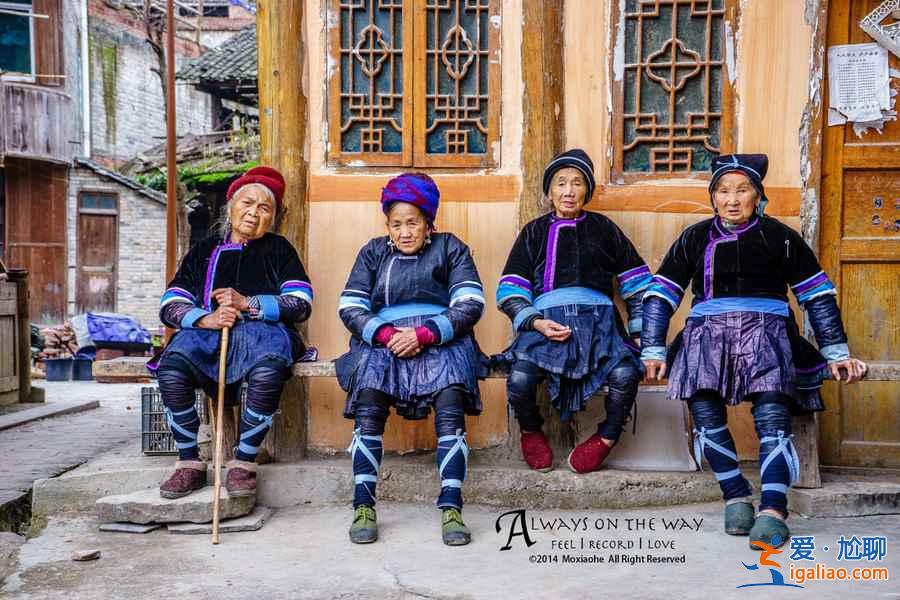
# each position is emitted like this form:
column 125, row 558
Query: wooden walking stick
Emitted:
column 220, row 411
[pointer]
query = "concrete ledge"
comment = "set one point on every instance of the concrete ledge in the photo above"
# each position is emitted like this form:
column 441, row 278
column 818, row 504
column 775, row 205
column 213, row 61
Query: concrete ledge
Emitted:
column 842, row 498
column 44, row 410
column 408, row 478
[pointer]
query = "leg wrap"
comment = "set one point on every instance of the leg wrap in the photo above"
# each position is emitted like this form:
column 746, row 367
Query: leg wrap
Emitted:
column 713, row 440
column 452, row 454
column 366, row 452
column 264, row 384
column 253, row 429
column 366, row 449
column 623, row 386
column 779, row 465
column 521, row 390
column 176, row 385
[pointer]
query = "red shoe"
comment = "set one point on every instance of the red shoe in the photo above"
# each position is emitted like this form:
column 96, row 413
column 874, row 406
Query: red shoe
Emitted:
column 240, row 478
column 189, row 475
column 537, row 451
column 588, row 455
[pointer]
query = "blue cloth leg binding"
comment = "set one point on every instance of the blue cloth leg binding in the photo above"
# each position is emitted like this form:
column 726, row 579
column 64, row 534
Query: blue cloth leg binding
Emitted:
column 779, row 469
column 253, row 429
column 366, row 452
column 452, row 458
column 184, row 425
column 718, row 447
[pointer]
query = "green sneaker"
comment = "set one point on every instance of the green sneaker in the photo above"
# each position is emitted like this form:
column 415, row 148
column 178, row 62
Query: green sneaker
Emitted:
column 769, row 530
column 453, row 530
column 364, row 529
column 738, row 518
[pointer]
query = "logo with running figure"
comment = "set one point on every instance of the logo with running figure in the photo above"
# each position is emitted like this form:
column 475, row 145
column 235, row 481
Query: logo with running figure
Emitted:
column 765, row 561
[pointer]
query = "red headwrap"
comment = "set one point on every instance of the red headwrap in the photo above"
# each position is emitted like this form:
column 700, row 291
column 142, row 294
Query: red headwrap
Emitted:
column 264, row 176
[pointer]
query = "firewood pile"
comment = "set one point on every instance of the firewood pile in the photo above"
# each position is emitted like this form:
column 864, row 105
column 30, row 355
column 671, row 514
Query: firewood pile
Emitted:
column 59, row 342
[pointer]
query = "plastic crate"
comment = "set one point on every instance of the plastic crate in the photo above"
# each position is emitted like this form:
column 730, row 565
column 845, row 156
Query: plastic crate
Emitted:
column 156, row 437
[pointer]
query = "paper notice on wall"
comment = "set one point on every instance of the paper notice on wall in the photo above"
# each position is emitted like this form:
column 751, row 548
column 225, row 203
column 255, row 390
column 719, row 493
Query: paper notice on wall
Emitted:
column 859, row 85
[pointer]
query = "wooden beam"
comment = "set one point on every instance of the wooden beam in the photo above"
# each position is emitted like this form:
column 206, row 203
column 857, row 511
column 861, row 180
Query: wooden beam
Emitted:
column 543, row 132
column 543, row 136
column 282, row 120
column 346, row 187
column 806, row 427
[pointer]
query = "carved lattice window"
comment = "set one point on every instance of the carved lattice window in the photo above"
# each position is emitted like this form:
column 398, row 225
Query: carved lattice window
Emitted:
column 413, row 82
column 674, row 104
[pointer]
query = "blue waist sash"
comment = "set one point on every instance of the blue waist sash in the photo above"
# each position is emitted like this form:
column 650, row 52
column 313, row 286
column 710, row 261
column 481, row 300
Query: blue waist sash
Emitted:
column 718, row 306
column 571, row 295
column 410, row 309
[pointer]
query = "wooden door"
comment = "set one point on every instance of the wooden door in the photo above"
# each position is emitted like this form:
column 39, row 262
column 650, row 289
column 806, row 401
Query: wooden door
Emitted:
column 860, row 250
column 36, row 233
column 98, row 239
column 9, row 344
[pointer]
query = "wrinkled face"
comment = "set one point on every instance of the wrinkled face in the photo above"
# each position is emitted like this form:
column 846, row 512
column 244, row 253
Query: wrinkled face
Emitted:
column 568, row 192
column 251, row 212
column 407, row 227
column 735, row 198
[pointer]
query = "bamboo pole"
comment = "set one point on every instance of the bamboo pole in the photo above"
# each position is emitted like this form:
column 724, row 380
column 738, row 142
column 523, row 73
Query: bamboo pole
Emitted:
column 220, row 412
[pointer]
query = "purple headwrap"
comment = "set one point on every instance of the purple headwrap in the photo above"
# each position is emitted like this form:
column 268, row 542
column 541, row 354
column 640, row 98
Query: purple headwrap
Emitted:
column 417, row 189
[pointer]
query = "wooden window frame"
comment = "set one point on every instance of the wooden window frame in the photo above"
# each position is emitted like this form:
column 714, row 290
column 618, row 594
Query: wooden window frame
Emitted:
column 32, row 45
column 414, row 64
column 97, row 211
column 728, row 122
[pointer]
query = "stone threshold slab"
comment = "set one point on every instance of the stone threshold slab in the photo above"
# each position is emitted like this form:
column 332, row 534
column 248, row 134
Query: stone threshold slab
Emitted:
column 45, row 410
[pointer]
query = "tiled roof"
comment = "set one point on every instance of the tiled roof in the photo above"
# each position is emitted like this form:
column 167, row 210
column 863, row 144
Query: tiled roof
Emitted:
column 122, row 179
column 233, row 60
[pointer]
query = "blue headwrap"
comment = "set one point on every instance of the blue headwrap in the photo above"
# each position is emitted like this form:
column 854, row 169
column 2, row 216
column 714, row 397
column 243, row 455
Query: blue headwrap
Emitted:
column 417, row 189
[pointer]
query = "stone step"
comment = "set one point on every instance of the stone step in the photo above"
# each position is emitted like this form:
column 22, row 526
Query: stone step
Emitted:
column 839, row 498
column 146, row 506
column 251, row 522
column 407, row 478
column 45, row 410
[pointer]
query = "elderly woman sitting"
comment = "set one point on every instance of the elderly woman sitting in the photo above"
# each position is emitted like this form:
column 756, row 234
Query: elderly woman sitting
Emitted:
column 741, row 343
column 252, row 281
column 411, row 302
column 557, row 289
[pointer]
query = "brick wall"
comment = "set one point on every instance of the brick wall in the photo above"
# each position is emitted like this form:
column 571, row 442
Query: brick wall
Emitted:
column 127, row 108
column 142, row 246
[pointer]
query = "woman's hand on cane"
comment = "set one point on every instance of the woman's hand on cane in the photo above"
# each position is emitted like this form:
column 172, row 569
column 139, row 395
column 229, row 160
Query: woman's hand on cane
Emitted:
column 231, row 297
column 224, row 316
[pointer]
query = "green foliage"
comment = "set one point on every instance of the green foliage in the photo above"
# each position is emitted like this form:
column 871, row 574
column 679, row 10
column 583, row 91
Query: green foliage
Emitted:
column 195, row 177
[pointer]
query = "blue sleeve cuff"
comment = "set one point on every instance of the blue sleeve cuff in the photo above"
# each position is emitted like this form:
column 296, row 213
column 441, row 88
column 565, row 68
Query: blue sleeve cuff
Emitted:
column 653, row 353
column 371, row 327
column 192, row 316
column 524, row 315
column 444, row 326
column 832, row 352
column 268, row 306
column 634, row 325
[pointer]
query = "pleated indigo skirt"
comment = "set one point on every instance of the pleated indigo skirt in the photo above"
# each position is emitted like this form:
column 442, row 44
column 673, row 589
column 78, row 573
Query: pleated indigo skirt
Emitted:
column 412, row 383
column 249, row 342
column 741, row 353
column 579, row 366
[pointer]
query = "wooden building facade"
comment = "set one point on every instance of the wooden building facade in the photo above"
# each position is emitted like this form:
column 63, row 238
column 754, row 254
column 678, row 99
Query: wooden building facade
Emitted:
column 482, row 93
